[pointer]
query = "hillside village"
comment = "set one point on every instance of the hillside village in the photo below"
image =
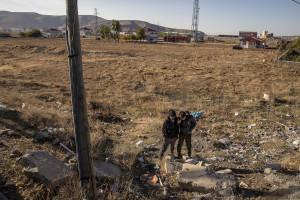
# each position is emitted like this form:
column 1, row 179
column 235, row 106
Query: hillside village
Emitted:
column 242, row 91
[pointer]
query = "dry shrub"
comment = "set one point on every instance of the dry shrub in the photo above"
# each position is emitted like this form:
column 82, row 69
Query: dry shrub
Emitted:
column 70, row 190
column 102, row 145
column 292, row 161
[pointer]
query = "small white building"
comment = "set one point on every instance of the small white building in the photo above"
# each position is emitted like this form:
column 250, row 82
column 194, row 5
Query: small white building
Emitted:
column 51, row 33
column 151, row 35
column 85, row 31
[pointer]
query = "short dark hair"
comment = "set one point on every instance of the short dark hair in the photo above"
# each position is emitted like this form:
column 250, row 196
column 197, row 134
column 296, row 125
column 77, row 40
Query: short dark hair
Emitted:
column 172, row 112
column 182, row 114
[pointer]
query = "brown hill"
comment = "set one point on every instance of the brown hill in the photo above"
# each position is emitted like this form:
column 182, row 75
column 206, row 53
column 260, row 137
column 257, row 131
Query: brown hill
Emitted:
column 35, row 20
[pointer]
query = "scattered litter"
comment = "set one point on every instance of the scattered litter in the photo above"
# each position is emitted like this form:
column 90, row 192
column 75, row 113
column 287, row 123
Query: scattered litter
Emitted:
column 236, row 114
column 251, row 126
column 296, row 142
column 217, row 158
column 120, row 135
column 56, row 141
column 23, row 105
column 198, row 114
column 41, row 135
column 243, row 185
column 154, row 179
column 144, row 177
column 2, row 107
column 140, row 144
column 269, row 97
column 65, row 147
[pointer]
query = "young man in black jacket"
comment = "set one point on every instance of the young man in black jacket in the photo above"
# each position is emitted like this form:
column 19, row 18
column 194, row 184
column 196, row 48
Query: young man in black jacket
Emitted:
column 187, row 125
column 170, row 132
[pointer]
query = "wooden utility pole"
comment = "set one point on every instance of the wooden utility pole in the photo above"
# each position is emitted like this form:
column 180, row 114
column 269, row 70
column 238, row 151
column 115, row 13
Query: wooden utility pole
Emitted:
column 81, row 125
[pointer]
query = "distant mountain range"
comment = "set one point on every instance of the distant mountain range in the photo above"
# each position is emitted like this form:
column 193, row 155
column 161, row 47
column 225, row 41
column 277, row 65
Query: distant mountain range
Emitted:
column 25, row 20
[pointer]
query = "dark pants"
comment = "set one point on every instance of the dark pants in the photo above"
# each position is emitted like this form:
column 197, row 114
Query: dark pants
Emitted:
column 188, row 141
column 165, row 145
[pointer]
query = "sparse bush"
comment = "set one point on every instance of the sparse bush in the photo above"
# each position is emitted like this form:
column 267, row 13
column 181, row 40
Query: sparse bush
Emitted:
column 34, row 33
column 293, row 53
column 132, row 37
column 22, row 34
column 105, row 32
column 140, row 34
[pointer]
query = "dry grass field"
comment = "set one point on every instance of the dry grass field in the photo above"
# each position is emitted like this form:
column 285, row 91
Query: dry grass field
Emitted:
column 130, row 87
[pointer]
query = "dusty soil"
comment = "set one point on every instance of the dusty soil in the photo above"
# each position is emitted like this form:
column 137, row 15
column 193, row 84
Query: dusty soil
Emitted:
column 130, row 88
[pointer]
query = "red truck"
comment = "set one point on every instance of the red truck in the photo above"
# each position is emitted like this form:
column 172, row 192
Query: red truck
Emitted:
column 176, row 39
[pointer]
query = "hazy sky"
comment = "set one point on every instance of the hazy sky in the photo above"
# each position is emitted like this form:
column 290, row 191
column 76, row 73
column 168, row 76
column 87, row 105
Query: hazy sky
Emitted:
column 282, row 17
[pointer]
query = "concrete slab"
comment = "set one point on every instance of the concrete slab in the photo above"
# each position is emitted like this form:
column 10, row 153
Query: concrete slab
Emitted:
column 276, row 167
column 173, row 167
column 192, row 161
column 201, row 179
column 44, row 168
column 106, row 170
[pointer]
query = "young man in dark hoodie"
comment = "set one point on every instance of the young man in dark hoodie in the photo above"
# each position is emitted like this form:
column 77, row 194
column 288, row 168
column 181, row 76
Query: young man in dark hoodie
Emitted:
column 187, row 125
column 170, row 132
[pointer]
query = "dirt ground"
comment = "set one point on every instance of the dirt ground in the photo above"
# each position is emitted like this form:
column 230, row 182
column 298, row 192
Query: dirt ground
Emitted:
column 131, row 86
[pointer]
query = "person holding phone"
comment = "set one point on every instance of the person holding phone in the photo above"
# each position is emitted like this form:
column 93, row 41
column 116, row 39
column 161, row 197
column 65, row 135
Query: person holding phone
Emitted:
column 170, row 132
column 187, row 123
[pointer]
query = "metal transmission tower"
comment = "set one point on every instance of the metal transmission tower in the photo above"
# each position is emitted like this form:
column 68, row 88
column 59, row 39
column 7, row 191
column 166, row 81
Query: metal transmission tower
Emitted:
column 96, row 21
column 195, row 22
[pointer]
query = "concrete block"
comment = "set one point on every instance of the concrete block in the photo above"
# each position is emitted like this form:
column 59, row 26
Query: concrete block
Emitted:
column 44, row 168
column 107, row 170
column 173, row 167
column 276, row 167
column 201, row 179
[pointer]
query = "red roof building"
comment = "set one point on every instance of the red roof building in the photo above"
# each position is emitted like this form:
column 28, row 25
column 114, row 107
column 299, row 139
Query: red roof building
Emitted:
column 252, row 42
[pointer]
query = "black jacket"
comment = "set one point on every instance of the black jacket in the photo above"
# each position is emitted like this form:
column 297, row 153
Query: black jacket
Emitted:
column 187, row 125
column 170, row 129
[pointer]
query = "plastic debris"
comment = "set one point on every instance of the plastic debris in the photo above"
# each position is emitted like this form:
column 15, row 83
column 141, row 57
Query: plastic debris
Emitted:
column 198, row 114
column 217, row 158
column 296, row 142
column 2, row 107
column 140, row 144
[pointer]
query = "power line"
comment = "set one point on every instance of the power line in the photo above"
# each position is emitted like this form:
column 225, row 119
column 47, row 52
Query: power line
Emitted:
column 296, row 1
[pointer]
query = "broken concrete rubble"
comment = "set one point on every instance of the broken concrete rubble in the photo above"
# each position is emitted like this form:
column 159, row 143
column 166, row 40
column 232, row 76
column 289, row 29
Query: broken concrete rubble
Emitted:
column 192, row 161
column 173, row 167
column 15, row 154
column 199, row 178
column 224, row 171
column 107, row 170
column 41, row 135
column 43, row 167
column 276, row 167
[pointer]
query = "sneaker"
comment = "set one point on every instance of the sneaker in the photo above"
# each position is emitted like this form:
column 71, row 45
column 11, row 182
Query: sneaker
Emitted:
column 178, row 157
